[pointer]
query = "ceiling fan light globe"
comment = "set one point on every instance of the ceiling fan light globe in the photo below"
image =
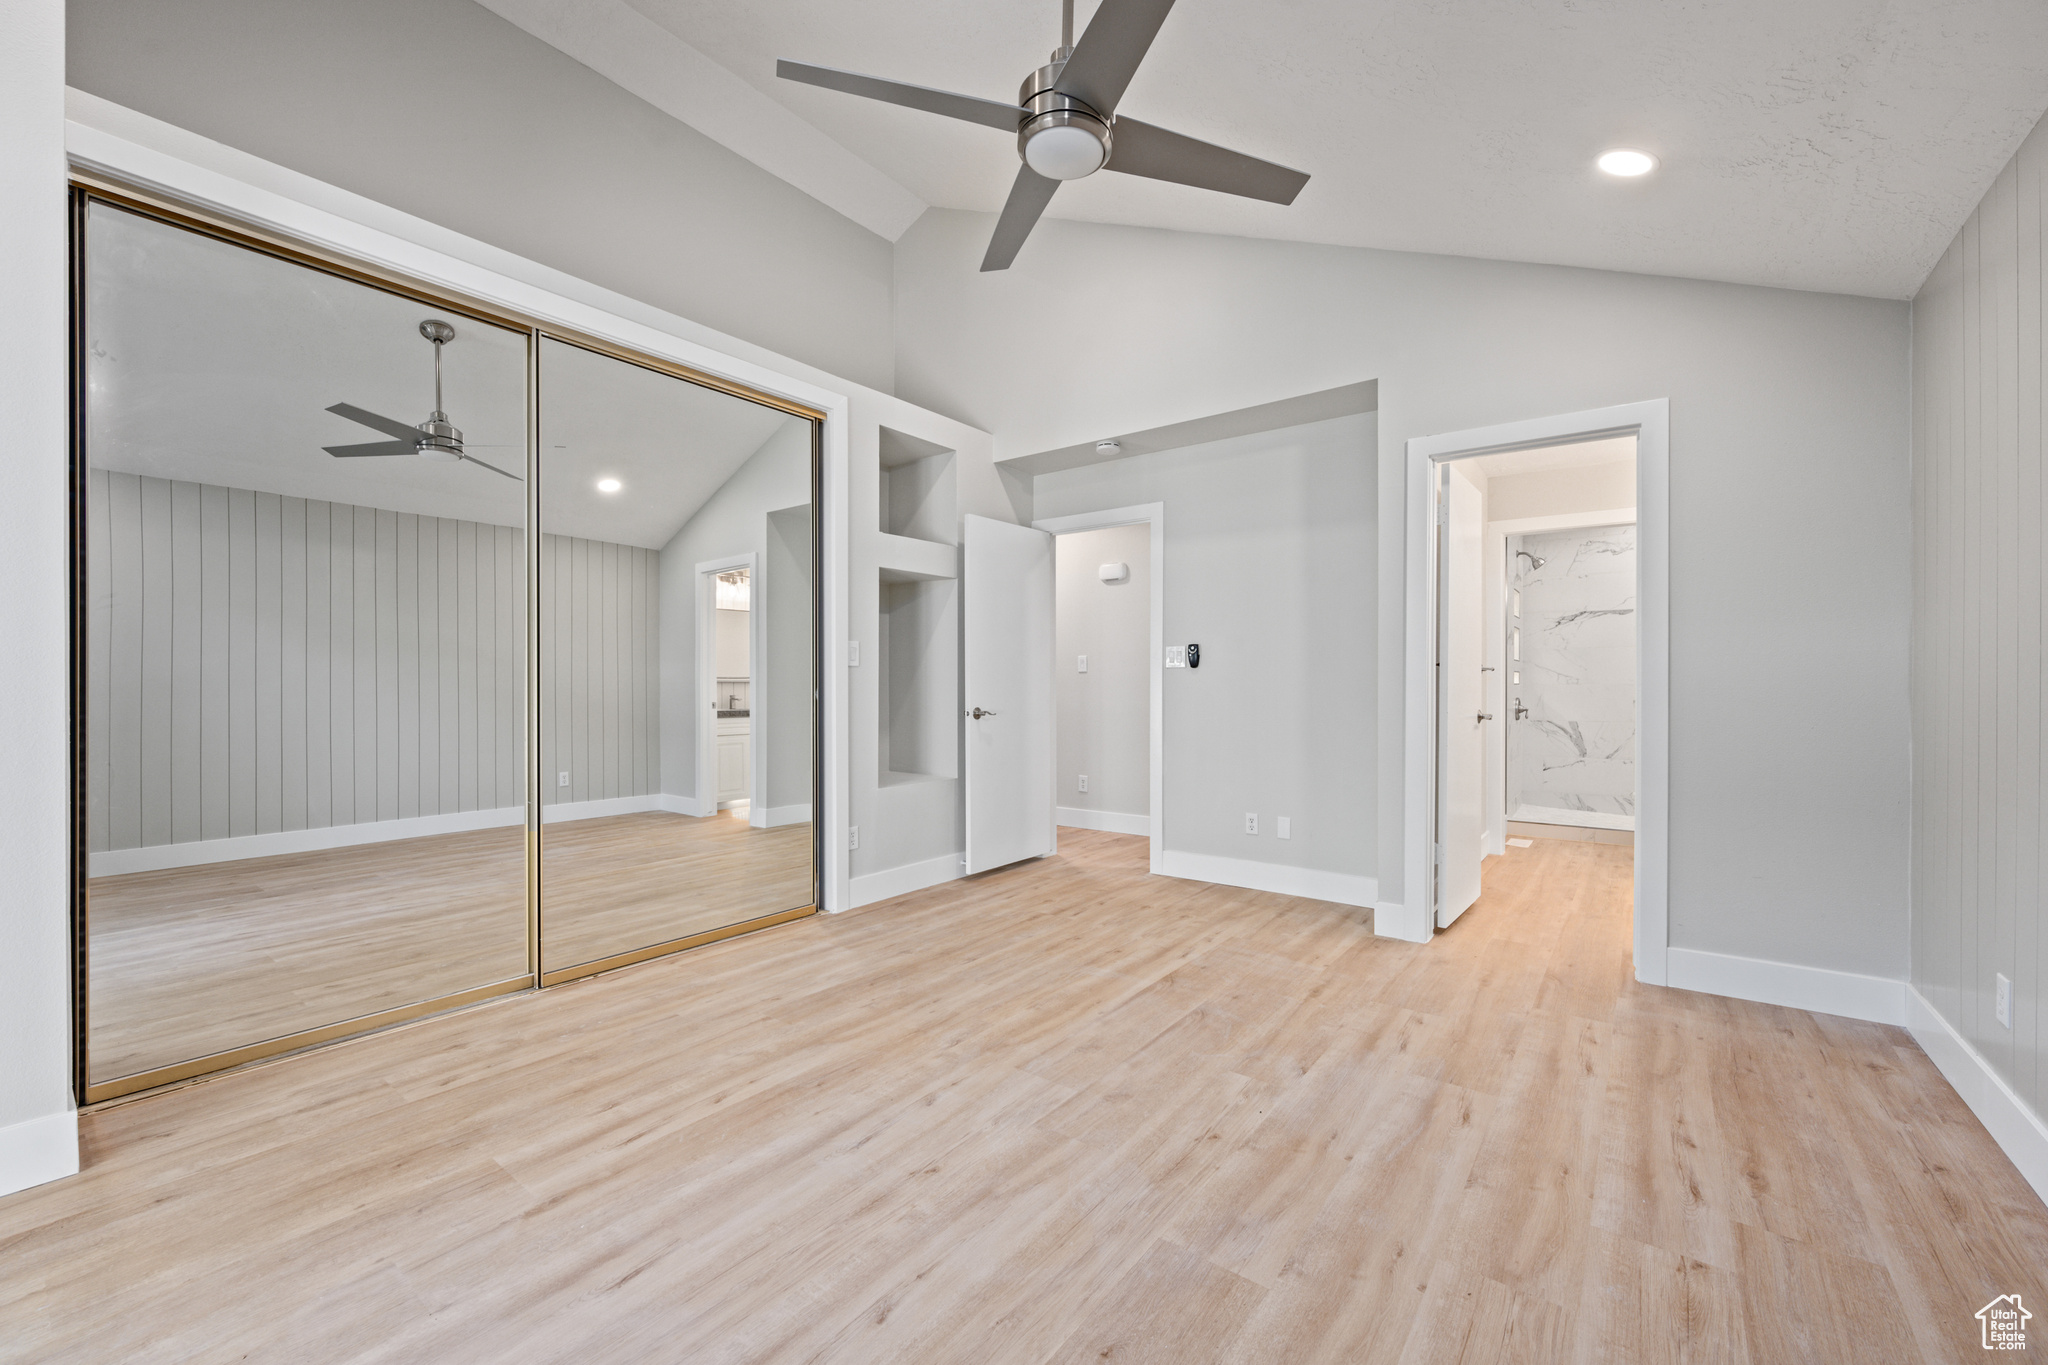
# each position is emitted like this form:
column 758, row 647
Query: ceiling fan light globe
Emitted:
column 442, row 453
column 1063, row 147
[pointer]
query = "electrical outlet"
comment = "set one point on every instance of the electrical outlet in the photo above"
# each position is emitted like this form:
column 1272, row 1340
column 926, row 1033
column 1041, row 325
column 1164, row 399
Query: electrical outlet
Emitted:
column 1083, row 666
column 1251, row 822
column 1084, row 782
column 561, row 779
column 853, row 654
column 853, row 836
column 2002, row 1004
column 1283, row 827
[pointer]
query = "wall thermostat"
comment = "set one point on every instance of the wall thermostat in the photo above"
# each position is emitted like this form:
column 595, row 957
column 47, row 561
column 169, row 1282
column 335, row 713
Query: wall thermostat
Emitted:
column 1114, row 573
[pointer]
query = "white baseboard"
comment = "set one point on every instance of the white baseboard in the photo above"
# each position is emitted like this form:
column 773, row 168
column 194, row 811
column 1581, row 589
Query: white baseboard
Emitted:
column 37, row 1151
column 1577, row 819
column 1108, row 821
column 120, row 861
column 901, row 881
column 158, row 857
column 680, row 805
column 1879, row 999
column 774, row 817
column 2013, row 1125
column 1343, row 888
column 1390, row 920
column 562, row 812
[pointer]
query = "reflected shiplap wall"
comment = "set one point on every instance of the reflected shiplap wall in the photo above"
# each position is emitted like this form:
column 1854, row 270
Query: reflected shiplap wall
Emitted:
column 1979, row 374
column 260, row 663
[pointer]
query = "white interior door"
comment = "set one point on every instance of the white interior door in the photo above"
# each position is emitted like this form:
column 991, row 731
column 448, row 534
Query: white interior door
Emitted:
column 1461, row 695
column 1006, row 631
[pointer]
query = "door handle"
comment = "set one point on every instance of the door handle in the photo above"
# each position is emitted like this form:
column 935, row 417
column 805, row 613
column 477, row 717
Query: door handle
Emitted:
column 1484, row 716
column 978, row 713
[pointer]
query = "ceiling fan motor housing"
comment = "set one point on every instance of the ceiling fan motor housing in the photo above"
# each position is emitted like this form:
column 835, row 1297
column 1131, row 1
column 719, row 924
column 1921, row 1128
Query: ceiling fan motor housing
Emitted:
column 1061, row 138
column 439, row 440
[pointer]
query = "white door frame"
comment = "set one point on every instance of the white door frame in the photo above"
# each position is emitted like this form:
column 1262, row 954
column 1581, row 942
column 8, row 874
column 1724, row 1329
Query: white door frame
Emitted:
column 707, row 682
column 1650, row 423
column 1152, row 514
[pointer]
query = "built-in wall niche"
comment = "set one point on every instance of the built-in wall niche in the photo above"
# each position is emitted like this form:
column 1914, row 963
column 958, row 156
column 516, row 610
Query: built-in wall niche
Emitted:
column 919, row 497
column 919, row 685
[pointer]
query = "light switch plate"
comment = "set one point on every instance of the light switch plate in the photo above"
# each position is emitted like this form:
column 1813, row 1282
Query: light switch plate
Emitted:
column 1176, row 656
column 1283, row 827
column 1083, row 668
column 2002, row 1004
column 853, row 654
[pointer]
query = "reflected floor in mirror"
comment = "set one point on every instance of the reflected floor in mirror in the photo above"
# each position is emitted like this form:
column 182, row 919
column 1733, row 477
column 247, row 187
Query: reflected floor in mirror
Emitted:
column 192, row 961
column 623, row 882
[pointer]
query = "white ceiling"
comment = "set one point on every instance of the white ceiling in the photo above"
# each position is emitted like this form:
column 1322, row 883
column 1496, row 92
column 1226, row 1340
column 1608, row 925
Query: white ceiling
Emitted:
column 1823, row 144
column 214, row 364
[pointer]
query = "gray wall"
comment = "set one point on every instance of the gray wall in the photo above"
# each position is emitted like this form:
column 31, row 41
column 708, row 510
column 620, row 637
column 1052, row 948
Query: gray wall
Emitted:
column 600, row 669
column 444, row 110
column 734, row 521
column 1105, row 714
column 1979, row 370
column 1269, row 567
column 1789, row 462
column 261, row 663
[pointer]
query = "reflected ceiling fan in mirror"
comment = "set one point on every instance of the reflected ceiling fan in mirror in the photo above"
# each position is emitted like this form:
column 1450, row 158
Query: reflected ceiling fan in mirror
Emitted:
column 433, row 439
column 1067, row 126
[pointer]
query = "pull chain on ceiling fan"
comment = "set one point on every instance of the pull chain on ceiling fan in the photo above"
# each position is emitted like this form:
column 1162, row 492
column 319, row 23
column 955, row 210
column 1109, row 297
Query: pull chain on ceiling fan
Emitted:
column 434, row 439
column 1067, row 126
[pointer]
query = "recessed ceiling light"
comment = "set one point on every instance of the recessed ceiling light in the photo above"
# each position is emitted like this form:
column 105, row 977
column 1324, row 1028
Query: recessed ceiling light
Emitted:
column 609, row 485
column 1624, row 161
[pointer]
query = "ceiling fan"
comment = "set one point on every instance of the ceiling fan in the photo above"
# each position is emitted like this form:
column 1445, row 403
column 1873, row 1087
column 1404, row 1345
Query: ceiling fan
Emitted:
column 433, row 439
column 1067, row 126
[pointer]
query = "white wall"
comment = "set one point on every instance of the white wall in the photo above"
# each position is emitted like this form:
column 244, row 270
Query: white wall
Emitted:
column 1105, row 714
column 732, row 632
column 1269, row 566
column 38, row 1133
column 1788, row 465
column 1979, row 883
column 445, row 110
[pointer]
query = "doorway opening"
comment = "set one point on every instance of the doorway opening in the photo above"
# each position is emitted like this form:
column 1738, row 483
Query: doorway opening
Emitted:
column 1109, row 673
column 1538, row 675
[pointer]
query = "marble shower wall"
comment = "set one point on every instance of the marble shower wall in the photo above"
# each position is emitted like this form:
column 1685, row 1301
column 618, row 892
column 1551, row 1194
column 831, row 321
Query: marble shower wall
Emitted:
column 1572, row 759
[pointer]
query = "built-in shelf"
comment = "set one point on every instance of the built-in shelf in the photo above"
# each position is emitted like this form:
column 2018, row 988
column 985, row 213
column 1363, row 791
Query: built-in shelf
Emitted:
column 918, row 497
column 896, row 779
column 917, row 679
column 903, row 559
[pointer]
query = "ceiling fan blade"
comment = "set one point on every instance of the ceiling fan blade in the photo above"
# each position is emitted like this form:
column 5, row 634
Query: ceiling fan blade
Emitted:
column 1029, row 195
column 493, row 468
column 1108, row 54
column 371, row 448
column 390, row 426
column 971, row 108
column 1141, row 149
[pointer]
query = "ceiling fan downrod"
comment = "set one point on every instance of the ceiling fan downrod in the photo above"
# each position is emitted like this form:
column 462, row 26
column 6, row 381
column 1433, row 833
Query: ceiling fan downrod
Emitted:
column 439, row 439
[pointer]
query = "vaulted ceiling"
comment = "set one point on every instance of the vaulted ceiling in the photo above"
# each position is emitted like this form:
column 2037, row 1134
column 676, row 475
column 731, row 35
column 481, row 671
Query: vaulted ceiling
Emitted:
column 1821, row 144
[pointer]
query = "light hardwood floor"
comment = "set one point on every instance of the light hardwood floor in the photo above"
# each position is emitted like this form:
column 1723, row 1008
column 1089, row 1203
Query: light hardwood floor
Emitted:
column 1063, row 1112
column 195, row 960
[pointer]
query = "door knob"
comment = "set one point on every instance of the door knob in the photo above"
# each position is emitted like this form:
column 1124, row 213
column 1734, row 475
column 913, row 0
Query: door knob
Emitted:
column 978, row 713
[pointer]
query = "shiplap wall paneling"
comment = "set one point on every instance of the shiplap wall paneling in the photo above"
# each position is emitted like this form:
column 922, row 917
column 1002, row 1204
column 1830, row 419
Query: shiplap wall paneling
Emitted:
column 259, row 663
column 600, row 649
column 1977, row 657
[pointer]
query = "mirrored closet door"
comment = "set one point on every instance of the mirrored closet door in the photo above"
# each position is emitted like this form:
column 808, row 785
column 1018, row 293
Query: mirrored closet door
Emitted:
column 677, row 678
column 319, row 791
column 304, row 656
